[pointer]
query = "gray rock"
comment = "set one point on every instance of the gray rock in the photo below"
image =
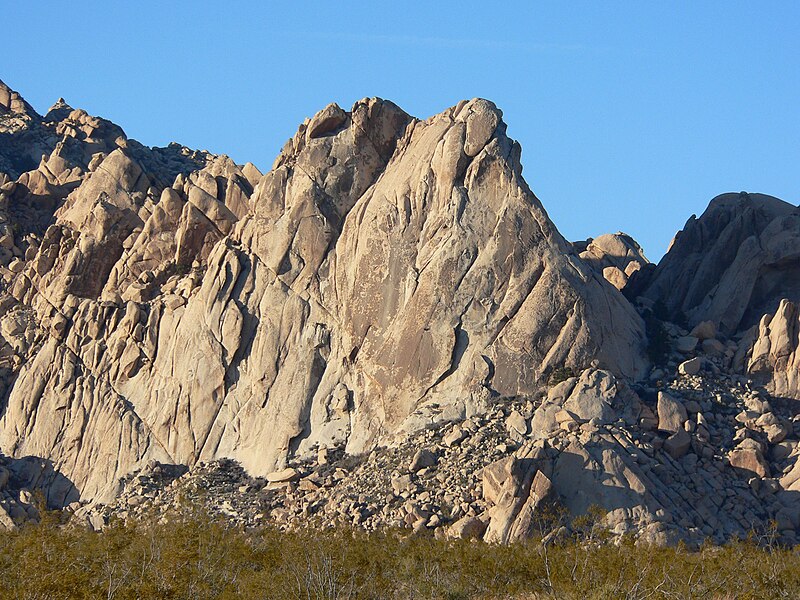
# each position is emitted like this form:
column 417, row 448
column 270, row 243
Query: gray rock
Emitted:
column 678, row 444
column 722, row 264
column 671, row 413
column 686, row 344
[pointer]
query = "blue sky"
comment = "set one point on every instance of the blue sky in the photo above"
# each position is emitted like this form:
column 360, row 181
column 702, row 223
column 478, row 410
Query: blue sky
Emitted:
column 631, row 115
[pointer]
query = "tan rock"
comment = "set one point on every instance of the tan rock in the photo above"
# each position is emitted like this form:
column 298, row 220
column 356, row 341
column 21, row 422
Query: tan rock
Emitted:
column 467, row 528
column 516, row 423
column 403, row 265
column 494, row 477
column 750, row 461
column 282, row 476
column 776, row 433
column 327, row 120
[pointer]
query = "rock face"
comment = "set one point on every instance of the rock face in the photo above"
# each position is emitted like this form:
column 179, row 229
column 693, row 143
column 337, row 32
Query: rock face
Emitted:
column 733, row 264
column 386, row 274
column 769, row 352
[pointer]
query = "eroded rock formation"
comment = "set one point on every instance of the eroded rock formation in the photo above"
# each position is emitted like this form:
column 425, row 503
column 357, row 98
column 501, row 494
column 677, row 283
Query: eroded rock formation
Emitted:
column 385, row 274
column 733, row 264
column 617, row 256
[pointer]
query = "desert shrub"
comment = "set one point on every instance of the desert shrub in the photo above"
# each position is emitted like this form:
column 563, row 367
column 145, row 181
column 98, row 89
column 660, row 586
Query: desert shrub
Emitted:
column 180, row 269
column 194, row 556
column 658, row 343
column 561, row 374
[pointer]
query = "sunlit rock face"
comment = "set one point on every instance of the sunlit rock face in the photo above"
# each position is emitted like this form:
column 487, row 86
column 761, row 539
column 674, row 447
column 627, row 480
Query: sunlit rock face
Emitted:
column 386, row 274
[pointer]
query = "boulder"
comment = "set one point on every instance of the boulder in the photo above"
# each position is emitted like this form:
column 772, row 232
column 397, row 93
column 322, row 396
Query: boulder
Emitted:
column 326, row 121
column 705, row 330
column 516, row 423
column 455, row 436
column 615, row 256
column 691, row 366
column 749, row 461
column 401, row 484
column 686, row 344
column 422, row 459
column 466, row 528
column 518, row 489
column 671, row 413
column 677, row 445
column 283, row 476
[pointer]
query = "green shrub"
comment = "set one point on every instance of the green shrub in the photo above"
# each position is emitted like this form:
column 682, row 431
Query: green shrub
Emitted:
column 658, row 343
column 561, row 374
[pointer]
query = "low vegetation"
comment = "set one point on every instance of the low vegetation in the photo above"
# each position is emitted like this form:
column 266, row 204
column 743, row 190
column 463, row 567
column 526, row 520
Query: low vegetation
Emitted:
column 201, row 558
column 561, row 374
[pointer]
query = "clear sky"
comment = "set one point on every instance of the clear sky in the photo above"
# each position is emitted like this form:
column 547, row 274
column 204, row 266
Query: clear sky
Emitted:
column 631, row 115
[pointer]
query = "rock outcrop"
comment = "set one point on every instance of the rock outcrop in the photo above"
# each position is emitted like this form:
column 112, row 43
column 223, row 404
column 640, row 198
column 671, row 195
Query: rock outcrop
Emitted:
column 386, row 274
column 732, row 265
column 617, row 256
column 769, row 351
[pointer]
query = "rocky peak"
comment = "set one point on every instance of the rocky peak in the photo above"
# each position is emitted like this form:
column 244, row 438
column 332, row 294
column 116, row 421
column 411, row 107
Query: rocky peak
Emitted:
column 59, row 111
column 732, row 264
column 387, row 273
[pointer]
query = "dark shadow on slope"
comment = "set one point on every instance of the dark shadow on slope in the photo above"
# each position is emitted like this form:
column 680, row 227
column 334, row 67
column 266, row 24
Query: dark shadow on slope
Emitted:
column 35, row 473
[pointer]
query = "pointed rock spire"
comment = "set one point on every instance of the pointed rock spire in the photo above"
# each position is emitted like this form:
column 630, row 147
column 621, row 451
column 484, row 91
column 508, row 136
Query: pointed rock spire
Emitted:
column 59, row 111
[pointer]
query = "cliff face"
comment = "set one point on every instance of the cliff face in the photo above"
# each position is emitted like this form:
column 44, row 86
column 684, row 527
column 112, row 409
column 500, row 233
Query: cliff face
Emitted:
column 387, row 273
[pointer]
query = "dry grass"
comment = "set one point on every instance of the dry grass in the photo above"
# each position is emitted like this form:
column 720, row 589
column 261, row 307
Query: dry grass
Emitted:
column 199, row 558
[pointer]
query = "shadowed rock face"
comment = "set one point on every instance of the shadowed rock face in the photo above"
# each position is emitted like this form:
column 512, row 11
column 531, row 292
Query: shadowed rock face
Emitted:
column 385, row 274
column 733, row 264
